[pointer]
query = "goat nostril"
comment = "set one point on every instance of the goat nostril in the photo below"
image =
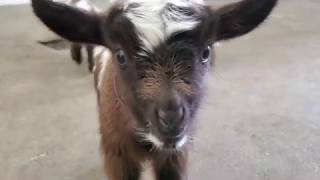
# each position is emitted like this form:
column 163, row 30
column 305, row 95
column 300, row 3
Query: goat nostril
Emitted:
column 180, row 112
column 163, row 118
column 165, row 123
column 170, row 117
column 161, row 114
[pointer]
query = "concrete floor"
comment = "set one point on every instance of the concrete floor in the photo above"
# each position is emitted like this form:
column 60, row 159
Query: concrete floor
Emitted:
column 261, row 121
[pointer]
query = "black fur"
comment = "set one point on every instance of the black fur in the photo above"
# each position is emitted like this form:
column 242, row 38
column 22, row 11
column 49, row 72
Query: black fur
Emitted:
column 170, row 166
column 242, row 17
column 170, row 75
column 69, row 22
column 132, row 172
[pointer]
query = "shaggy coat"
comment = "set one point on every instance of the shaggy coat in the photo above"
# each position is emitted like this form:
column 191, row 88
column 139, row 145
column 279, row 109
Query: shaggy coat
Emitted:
column 151, row 80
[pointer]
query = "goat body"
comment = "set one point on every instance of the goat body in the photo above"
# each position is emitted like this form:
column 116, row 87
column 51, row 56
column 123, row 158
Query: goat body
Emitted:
column 151, row 64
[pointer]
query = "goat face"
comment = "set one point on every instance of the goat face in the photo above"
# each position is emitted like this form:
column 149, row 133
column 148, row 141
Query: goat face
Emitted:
column 163, row 50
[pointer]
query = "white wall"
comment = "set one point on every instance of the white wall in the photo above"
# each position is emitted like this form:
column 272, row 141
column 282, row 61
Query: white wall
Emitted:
column 16, row 2
column 13, row 2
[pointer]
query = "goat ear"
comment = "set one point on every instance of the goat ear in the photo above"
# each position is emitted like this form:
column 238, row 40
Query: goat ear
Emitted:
column 242, row 17
column 71, row 23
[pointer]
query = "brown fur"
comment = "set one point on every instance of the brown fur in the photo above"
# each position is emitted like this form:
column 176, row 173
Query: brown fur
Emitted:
column 160, row 91
column 155, row 80
column 151, row 85
column 121, row 150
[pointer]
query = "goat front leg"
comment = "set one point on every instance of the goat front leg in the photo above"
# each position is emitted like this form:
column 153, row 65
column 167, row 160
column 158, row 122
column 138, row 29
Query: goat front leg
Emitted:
column 171, row 166
column 90, row 57
column 121, row 168
column 75, row 50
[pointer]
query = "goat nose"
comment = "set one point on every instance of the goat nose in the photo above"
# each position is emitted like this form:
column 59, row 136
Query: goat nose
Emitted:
column 170, row 118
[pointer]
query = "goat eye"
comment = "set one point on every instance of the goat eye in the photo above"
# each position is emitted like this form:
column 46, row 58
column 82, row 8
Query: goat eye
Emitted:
column 205, row 56
column 121, row 57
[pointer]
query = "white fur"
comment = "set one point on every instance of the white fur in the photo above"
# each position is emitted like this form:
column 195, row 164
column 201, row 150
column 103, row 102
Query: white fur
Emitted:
column 156, row 141
column 147, row 171
column 84, row 5
column 159, row 144
column 183, row 22
column 155, row 22
column 148, row 21
column 101, row 55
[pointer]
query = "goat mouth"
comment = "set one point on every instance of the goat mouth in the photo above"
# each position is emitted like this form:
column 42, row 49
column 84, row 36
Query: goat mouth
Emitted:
column 171, row 144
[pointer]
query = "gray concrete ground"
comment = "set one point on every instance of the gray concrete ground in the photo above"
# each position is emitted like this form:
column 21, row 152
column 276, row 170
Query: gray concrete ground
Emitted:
column 261, row 121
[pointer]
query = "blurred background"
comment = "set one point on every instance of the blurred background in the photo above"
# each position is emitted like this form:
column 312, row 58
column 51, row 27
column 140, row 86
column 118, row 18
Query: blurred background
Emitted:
column 261, row 120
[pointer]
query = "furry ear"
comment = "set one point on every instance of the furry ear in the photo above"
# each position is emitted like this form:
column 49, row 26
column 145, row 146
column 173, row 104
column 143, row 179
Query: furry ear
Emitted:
column 69, row 22
column 242, row 17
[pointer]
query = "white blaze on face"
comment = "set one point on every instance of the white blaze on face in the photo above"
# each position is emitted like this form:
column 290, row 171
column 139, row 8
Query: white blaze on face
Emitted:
column 146, row 16
column 175, row 18
column 156, row 20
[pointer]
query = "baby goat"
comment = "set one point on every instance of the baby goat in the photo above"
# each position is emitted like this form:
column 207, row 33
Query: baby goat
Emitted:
column 151, row 83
